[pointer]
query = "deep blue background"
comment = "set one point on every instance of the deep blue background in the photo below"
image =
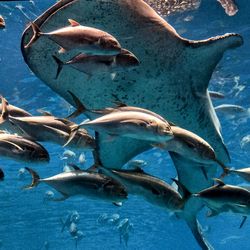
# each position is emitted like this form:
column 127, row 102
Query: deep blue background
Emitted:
column 26, row 222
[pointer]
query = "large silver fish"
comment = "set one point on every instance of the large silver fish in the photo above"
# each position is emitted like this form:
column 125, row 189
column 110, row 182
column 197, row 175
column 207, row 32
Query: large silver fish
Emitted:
column 46, row 128
column 151, row 188
column 21, row 149
column 192, row 147
column 97, row 64
column 86, row 39
column 138, row 125
column 226, row 198
column 169, row 81
column 80, row 182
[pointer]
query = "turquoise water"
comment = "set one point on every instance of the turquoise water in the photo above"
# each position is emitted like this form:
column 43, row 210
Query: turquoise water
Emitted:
column 28, row 221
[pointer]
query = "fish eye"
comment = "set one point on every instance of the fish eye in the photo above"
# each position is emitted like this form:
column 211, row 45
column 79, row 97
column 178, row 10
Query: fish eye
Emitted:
column 142, row 124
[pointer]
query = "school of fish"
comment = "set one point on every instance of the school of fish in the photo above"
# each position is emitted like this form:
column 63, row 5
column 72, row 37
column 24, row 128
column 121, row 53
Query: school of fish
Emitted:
column 95, row 52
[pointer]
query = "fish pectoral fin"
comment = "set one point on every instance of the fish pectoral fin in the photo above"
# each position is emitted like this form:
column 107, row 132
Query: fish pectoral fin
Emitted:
column 58, row 131
column 73, row 23
column 117, row 203
column 243, row 221
column 13, row 144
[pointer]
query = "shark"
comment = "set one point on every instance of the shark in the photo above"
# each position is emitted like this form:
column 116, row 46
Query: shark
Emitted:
column 172, row 80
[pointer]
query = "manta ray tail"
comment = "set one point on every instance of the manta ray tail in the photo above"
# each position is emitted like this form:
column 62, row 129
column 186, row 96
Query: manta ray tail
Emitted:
column 35, row 178
column 59, row 66
column 196, row 229
column 36, row 34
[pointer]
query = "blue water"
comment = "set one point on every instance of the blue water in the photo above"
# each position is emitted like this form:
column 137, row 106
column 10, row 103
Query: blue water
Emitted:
column 29, row 222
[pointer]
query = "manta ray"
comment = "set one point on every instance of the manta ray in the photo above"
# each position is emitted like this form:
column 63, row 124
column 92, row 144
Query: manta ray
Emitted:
column 171, row 80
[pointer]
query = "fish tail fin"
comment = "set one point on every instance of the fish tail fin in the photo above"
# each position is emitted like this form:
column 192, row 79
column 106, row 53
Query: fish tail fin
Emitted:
column 185, row 192
column 5, row 113
column 196, row 229
column 59, row 65
column 35, row 179
column 73, row 132
column 36, row 34
column 225, row 169
column 80, row 107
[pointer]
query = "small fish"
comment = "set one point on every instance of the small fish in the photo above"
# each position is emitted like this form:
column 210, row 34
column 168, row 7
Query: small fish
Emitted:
column 21, row 149
column 96, row 64
column 1, row 175
column 21, row 173
column 193, row 147
column 244, row 173
column 137, row 164
column 45, row 128
column 137, row 125
column 226, row 198
column 103, row 219
column 48, row 196
column 80, row 182
column 85, row 39
column 151, row 188
column 230, row 109
column 82, row 158
column 69, row 154
column 2, row 22
column 216, row 95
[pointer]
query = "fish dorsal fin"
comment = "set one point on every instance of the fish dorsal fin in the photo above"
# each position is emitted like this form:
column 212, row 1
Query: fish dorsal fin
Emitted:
column 73, row 23
column 219, row 182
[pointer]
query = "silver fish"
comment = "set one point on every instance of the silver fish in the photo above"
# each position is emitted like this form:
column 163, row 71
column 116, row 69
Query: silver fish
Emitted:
column 97, row 64
column 86, row 39
column 230, row 109
column 80, row 182
column 153, row 189
column 226, row 198
column 45, row 128
column 216, row 95
column 192, row 147
column 21, row 149
column 131, row 124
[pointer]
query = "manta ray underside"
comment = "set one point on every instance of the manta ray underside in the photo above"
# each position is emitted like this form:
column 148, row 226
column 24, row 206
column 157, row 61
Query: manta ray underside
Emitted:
column 172, row 79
